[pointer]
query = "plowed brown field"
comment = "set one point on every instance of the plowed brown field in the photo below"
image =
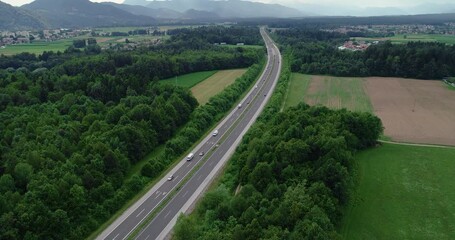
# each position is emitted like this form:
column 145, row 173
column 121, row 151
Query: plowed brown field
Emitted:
column 417, row 111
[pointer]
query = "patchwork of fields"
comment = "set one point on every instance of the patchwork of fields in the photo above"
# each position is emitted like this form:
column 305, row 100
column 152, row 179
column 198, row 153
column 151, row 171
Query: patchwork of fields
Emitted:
column 411, row 110
column 402, row 192
column 402, row 39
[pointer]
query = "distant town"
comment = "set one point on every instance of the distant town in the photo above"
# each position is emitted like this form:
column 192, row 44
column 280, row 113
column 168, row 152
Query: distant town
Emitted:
column 51, row 35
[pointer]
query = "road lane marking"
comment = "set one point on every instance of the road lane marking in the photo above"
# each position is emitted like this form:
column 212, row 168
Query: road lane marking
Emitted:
column 185, row 194
column 116, row 236
column 199, row 177
column 147, row 237
column 167, row 214
column 140, row 212
column 157, row 196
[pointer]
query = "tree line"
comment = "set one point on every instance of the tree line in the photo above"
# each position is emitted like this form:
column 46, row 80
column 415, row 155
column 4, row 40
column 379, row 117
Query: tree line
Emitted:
column 316, row 52
column 73, row 124
column 289, row 178
column 219, row 34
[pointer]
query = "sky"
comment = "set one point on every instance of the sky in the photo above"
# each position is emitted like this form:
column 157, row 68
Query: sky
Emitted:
column 364, row 3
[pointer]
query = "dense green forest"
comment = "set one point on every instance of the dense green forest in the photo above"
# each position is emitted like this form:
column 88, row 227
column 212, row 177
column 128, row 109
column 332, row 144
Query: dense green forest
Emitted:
column 73, row 124
column 219, row 34
column 316, row 52
column 288, row 179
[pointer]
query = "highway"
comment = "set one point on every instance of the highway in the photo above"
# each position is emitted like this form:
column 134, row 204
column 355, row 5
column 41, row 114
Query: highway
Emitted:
column 217, row 151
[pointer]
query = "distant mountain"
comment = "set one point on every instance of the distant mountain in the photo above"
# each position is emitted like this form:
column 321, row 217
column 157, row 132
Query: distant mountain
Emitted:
column 351, row 10
column 12, row 18
column 83, row 13
column 198, row 14
column 229, row 8
column 162, row 13
column 136, row 2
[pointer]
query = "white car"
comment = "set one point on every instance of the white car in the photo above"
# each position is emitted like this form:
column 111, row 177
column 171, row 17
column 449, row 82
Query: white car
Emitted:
column 170, row 178
column 215, row 133
column 240, row 105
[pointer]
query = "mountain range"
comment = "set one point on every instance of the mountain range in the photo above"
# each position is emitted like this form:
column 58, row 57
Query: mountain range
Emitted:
column 13, row 18
column 84, row 13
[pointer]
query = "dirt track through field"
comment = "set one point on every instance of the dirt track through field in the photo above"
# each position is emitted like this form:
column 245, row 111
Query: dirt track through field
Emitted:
column 418, row 111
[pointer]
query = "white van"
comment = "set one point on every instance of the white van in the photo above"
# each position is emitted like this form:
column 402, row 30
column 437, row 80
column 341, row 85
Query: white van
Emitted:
column 190, row 156
column 215, row 133
column 240, row 105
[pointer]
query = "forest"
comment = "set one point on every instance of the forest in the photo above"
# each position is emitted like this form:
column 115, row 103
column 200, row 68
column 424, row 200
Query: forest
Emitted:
column 316, row 52
column 73, row 124
column 289, row 178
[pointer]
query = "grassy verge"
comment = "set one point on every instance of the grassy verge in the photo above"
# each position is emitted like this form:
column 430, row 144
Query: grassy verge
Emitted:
column 404, row 192
column 165, row 172
column 189, row 80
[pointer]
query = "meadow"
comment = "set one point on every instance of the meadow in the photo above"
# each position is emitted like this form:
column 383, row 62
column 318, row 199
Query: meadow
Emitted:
column 333, row 92
column 37, row 47
column 215, row 84
column 403, row 192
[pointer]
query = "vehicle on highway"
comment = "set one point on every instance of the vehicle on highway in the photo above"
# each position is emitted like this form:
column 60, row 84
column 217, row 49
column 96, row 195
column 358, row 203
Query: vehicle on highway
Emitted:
column 190, row 156
column 170, row 178
column 215, row 133
column 240, row 105
column 201, row 154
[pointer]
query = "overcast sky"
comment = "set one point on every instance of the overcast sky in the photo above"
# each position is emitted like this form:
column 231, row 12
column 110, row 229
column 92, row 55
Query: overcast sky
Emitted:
column 364, row 3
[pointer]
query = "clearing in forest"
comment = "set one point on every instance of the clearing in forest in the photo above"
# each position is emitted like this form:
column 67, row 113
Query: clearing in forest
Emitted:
column 215, row 84
column 416, row 111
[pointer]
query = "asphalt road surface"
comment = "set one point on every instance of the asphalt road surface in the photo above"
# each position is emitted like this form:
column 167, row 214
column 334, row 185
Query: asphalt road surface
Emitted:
column 215, row 148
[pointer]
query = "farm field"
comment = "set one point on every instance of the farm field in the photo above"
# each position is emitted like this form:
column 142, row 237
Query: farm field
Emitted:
column 215, row 84
column 62, row 45
column 37, row 47
column 417, row 111
column 189, row 80
column 401, row 39
column 403, row 192
column 333, row 92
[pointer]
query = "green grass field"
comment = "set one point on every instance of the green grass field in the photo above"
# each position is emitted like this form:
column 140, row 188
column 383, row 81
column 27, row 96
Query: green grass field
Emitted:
column 215, row 84
column 37, row 47
column 62, row 45
column 400, row 39
column 297, row 89
column 404, row 192
column 189, row 80
column 333, row 92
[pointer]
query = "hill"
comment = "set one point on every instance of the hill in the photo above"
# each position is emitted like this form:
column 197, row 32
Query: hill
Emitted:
column 83, row 13
column 162, row 13
column 228, row 9
column 12, row 18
